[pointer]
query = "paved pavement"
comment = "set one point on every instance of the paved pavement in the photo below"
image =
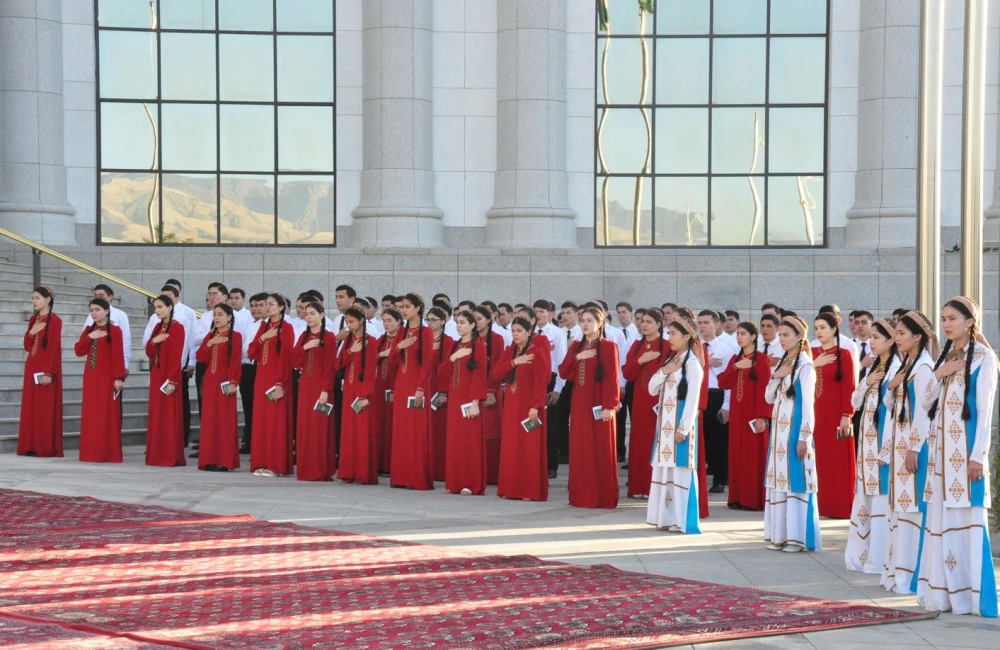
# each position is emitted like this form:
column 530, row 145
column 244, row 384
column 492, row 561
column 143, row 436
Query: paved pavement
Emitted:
column 730, row 551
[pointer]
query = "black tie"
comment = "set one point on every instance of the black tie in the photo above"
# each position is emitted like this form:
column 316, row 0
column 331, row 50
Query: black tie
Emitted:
column 766, row 346
column 861, row 357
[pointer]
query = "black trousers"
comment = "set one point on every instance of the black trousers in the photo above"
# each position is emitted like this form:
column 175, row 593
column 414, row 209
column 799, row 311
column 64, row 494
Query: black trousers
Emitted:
column 716, row 439
column 247, row 381
column 338, row 408
column 185, row 389
column 558, row 438
column 199, row 376
column 625, row 410
column 295, row 405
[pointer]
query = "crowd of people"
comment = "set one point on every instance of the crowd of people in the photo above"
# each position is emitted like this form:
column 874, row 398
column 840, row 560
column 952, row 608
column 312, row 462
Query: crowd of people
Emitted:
column 895, row 430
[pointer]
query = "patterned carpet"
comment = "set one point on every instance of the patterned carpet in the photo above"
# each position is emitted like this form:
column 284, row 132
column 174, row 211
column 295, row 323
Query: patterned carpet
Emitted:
column 81, row 573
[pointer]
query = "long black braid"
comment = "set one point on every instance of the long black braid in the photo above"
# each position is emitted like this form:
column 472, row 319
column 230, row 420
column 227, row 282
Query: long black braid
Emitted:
column 888, row 362
column 526, row 326
column 909, row 363
column 283, row 305
column 440, row 313
column 969, row 355
column 166, row 301
column 318, row 306
column 682, row 385
column 598, row 315
column 751, row 328
column 467, row 316
column 228, row 311
column 418, row 302
column 44, row 292
column 359, row 315
column 396, row 316
column 488, row 315
column 657, row 315
column 103, row 304
column 831, row 320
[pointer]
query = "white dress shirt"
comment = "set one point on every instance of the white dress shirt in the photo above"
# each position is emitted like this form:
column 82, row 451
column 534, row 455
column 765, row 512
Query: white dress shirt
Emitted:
column 119, row 318
column 243, row 323
column 450, row 328
column 298, row 325
column 504, row 334
column 718, row 349
column 631, row 334
column 772, row 349
column 375, row 327
column 616, row 335
column 558, row 347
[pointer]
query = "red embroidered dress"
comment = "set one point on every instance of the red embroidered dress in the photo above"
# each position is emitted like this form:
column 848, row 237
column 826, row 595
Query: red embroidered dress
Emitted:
column 315, row 433
column 101, row 422
column 358, row 444
column 165, row 424
column 219, row 443
column 40, row 428
column 272, row 421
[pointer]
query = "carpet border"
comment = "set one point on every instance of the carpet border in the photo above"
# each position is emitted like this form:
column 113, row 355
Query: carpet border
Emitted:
column 99, row 631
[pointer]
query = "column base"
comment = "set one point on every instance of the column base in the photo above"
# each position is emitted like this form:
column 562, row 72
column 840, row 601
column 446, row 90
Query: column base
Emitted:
column 43, row 223
column 881, row 228
column 531, row 228
column 396, row 227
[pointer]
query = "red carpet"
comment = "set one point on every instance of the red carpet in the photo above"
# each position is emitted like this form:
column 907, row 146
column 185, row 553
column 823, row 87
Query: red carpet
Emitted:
column 81, row 573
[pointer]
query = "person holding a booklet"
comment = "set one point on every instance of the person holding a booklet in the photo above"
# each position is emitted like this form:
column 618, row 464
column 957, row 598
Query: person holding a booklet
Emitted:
column 103, row 377
column 385, row 381
column 437, row 317
column 315, row 355
column 222, row 354
column 464, row 370
column 591, row 367
column 358, row 362
column 271, row 349
column 493, row 404
column 40, row 429
column 165, row 424
column 523, row 457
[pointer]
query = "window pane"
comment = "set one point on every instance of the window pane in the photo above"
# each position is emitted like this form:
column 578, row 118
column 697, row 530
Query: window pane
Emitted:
column 128, row 136
column 305, row 138
column 129, row 208
column 740, row 16
column 682, row 71
column 624, row 72
column 738, row 140
column 623, row 141
column 246, row 15
column 128, row 65
column 682, row 16
column 305, row 209
column 305, row 68
column 247, row 209
column 187, row 14
column 738, row 75
column 190, row 215
column 623, row 18
column 737, row 203
column 681, row 209
column 681, row 141
column 305, row 16
column 246, row 68
column 798, row 70
column 125, row 13
column 798, row 16
column 189, row 137
column 188, row 67
column 247, row 138
column 795, row 206
column 796, row 140
column 616, row 205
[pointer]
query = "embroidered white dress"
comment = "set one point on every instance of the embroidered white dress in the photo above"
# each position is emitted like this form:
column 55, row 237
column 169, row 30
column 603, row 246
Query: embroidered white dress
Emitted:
column 957, row 572
column 867, row 538
column 673, row 493
column 790, row 514
column 901, row 570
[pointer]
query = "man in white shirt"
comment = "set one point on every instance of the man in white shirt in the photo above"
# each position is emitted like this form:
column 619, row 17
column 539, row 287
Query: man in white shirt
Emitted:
column 495, row 326
column 846, row 342
column 717, row 413
column 558, row 345
column 768, row 342
column 624, row 311
column 505, row 314
column 117, row 317
column 723, row 335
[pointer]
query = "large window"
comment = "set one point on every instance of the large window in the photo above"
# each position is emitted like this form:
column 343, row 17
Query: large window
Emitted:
column 711, row 123
column 216, row 121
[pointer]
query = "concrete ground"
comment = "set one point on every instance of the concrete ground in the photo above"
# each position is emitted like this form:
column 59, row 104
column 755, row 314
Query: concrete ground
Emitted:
column 730, row 551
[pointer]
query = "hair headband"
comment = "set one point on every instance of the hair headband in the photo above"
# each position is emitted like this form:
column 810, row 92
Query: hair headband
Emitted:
column 921, row 321
column 796, row 325
column 970, row 305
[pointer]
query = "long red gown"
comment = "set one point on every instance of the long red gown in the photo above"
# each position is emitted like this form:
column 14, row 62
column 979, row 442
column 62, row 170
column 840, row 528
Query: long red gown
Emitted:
column 835, row 461
column 358, row 448
column 385, row 380
column 219, row 442
column 165, row 424
column 316, row 458
column 411, row 428
column 702, row 468
column 643, row 431
column 101, row 424
column 493, row 415
column 524, row 454
column 40, row 429
column 593, row 454
column 272, row 421
column 465, row 455
column 747, row 450
column 439, row 418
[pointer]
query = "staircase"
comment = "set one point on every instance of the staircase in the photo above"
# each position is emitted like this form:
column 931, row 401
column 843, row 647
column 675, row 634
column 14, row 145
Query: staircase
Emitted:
column 73, row 292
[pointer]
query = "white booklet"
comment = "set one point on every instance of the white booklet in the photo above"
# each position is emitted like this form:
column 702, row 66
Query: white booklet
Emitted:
column 38, row 377
column 163, row 388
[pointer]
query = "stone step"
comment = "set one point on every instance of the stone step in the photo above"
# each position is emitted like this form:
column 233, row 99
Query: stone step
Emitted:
column 137, row 404
column 10, row 341
column 71, row 440
column 11, row 383
column 71, row 366
column 137, row 387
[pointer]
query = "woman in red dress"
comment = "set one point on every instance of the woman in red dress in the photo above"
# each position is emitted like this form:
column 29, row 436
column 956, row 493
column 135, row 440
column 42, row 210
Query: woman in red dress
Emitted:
column 385, row 382
column 493, row 405
column 527, row 368
column 411, row 414
column 40, row 428
column 592, row 366
column 221, row 353
column 103, row 377
column 436, row 318
column 465, row 372
column 165, row 424
column 271, row 349
column 746, row 379
column 359, row 362
column 647, row 355
column 316, row 355
column 836, row 379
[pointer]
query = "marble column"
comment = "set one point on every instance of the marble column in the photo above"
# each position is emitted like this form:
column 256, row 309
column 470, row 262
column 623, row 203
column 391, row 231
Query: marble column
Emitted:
column 885, row 196
column 32, row 172
column 530, row 206
column 397, row 206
